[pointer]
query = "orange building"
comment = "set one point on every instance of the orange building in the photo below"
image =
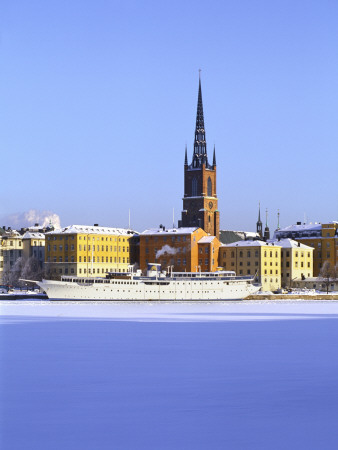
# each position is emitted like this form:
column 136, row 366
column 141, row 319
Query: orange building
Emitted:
column 186, row 249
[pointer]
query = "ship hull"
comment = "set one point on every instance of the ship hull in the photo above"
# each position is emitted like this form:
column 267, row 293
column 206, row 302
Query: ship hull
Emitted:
column 140, row 291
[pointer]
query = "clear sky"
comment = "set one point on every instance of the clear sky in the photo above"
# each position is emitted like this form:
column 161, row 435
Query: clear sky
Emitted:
column 98, row 99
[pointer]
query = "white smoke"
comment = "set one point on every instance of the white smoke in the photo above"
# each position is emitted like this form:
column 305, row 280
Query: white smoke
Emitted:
column 166, row 249
column 31, row 217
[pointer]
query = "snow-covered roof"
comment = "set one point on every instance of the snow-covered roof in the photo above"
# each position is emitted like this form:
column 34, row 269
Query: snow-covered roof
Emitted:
column 289, row 243
column 30, row 235
column 302, row 227
column 182, row 230
column 85, row 229
column 250, row 244
column 206, row 239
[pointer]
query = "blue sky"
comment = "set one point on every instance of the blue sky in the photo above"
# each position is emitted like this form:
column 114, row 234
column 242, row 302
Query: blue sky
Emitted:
column 98, row 100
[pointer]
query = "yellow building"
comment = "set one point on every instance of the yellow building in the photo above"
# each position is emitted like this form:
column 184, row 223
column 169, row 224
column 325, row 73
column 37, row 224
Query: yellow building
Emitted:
column 10, row 250
column 296, row 262
column 255, row 258
column 33, row 244
column 89, row 251
column 322, row 237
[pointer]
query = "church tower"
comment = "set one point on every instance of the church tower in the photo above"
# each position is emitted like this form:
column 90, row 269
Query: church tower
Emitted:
column 200, row 203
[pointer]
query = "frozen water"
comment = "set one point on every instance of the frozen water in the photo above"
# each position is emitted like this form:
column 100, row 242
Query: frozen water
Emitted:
column 235, row 375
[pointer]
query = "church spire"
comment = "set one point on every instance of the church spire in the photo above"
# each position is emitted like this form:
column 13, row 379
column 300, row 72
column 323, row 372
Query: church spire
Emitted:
column 186, row 156
column 200, row 146
column 214, row 157
column 259, row 225
column 266, row 230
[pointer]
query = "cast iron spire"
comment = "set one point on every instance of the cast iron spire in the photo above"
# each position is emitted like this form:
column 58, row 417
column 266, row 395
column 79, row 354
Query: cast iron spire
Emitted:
column 200, row 146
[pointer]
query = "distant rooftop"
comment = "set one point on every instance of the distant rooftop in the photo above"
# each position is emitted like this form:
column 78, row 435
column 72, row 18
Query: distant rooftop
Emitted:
column 289, row 243
column 85, row 229
column 251, row 244
column 229, row 236
column 206, row 239
column 173, row 231
column 33, row 235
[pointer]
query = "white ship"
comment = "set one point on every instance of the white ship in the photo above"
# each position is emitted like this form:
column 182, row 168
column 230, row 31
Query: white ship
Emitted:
column 157, row 285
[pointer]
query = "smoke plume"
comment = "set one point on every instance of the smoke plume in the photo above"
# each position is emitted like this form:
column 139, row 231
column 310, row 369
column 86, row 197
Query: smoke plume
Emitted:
column 166, row 249
column 31, row 217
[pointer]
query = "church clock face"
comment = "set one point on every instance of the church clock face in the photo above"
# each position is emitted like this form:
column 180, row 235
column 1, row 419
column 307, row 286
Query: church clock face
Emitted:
column 211, row 205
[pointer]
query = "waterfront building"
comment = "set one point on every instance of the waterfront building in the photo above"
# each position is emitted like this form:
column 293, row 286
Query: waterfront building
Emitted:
column 322, row 237
column 33, row 245
column 255, row 258
column 10, row 250
column 296, row 261
column 200, row 203
column 88, row 251
column 185, row 249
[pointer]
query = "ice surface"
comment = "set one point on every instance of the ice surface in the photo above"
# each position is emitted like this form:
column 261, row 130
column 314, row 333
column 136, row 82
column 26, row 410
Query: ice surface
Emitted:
column 230, row 375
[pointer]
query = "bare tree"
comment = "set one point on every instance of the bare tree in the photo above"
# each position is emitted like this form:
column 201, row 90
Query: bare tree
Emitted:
column 328, row 274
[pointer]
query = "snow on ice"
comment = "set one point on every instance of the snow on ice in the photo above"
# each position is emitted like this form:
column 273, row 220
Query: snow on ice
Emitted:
column 235, row 375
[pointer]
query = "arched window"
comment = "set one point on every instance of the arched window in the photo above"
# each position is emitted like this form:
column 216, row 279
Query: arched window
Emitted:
column 209, row 187
column 194, row 187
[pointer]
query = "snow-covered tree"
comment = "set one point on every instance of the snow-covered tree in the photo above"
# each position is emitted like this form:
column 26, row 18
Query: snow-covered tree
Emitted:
column 328, row 274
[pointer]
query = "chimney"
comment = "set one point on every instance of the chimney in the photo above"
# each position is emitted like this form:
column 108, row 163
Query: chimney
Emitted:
column 96, row 224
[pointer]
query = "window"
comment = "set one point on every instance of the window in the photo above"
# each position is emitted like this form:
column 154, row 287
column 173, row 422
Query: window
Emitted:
column 256, row 253
column 241, row 254
column 206, row 261
column 194, row 187
column 248, row 254
column 207, row 250
column 209, row 187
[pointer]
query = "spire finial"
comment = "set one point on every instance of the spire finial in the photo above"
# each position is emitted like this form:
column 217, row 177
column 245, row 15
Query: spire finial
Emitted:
column 266, row 217
column 278, row 220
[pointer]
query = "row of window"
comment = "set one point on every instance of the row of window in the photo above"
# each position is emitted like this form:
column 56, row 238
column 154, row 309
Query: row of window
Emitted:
column 95, row 271
column 60, row 238
column 95, row 259
column 164, row 238
column 90, row 248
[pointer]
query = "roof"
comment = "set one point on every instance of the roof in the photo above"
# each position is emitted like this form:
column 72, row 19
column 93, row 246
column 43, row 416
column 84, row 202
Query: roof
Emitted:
column 289, row 243
column 173, row 231
column 250, row 244
column 33, row 235
column 229, row 236
column 206, row 239
column 302, row 227
column 87, row 229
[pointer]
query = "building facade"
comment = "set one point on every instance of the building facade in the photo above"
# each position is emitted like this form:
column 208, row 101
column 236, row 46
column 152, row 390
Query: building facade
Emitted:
column 255, row 258
column 33, row 246
column 322, row 237
column 89, row 251
column 185, row 249
column 296, row 261
column 200, row 203
column 11, row 249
